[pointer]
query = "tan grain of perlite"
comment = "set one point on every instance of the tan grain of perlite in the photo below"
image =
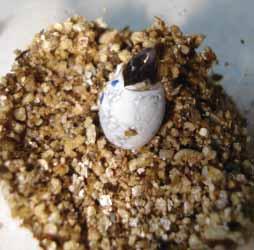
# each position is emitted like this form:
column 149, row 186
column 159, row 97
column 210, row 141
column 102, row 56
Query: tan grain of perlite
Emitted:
column 191, row 187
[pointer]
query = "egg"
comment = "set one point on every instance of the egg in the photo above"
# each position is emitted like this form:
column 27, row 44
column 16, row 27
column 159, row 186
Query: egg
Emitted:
column 131, row 109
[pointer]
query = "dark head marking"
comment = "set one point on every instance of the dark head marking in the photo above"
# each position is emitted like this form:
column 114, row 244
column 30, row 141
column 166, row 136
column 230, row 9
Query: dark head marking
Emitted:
column 143, row 66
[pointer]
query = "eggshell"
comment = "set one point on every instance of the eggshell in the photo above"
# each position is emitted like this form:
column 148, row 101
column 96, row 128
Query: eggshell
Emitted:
column 130, row 118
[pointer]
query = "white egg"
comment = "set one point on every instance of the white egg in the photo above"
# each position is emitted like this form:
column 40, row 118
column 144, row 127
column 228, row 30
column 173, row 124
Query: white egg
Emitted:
column 130, row 117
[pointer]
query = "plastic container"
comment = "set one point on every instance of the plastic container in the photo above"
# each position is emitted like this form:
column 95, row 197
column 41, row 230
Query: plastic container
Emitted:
column 228, row 25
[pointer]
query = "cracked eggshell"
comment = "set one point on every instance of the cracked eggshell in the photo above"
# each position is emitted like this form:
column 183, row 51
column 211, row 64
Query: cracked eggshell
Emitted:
column 130, row 118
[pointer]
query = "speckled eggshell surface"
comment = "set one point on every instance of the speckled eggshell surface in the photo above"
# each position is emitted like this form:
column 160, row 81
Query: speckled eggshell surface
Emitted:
column 130, row 118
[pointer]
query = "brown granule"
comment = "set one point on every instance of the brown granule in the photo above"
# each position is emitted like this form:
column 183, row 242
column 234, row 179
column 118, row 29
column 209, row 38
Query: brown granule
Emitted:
column 191, row 187
column 130, row 132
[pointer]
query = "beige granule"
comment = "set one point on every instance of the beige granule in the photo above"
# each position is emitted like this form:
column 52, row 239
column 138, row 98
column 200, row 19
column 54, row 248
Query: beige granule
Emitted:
column 191, row 187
